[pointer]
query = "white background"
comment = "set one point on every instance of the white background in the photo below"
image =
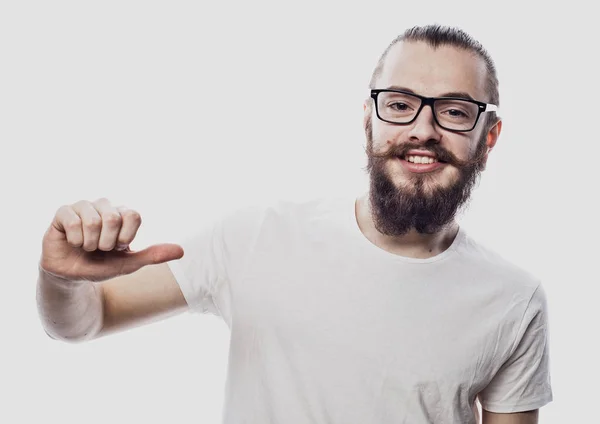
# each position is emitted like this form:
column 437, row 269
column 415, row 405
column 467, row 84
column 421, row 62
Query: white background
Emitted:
column 183, row 110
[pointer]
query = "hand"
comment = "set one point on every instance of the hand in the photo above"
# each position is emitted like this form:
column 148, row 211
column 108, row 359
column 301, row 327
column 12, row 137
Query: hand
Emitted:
column 90, row 241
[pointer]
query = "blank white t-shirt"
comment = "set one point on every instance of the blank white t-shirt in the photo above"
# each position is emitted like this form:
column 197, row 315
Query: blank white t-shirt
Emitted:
column 326, row 327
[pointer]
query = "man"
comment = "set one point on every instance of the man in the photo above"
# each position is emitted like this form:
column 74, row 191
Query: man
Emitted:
column 379, row 309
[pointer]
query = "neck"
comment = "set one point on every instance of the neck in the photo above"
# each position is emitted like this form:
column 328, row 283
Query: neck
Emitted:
column 411, row 244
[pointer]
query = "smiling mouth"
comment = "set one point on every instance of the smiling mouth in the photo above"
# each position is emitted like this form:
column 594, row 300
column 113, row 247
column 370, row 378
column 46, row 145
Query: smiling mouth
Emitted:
column 421, row 159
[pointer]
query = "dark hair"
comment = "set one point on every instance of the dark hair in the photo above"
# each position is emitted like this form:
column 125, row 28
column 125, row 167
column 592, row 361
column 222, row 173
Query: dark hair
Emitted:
column 438, row 35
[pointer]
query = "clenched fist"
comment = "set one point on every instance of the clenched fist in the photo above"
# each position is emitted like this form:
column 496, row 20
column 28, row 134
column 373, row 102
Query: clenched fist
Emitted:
column 90, row 241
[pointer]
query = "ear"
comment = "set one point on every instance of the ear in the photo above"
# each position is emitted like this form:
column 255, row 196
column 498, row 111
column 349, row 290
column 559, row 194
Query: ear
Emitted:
column 367, row 109
column 492, row 138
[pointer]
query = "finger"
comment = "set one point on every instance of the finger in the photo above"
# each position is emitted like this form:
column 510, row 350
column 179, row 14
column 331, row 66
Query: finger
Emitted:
column 155, row 254
column 111, row 224
column 68, row 222
column 131, row 223
column 91, row 224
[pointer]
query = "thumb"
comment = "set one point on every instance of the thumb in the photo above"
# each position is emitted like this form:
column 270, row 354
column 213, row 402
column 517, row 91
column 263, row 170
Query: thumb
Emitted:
column 155, row 254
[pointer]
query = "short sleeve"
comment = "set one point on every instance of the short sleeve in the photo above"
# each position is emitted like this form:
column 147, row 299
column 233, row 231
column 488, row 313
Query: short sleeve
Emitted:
column 201, row 270
column 522, row 383
column 215, row 257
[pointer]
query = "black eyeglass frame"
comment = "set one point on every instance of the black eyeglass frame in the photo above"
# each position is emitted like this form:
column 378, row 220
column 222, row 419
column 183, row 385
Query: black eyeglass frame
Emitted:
column 481, row 107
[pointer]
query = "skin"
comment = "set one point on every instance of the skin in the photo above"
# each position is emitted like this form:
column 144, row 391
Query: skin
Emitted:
column 529, row 417
column 432, row 73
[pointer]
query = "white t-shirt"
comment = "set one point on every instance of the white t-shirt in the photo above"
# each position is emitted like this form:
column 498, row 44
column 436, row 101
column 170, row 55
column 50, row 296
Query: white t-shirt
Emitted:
column 326, row 327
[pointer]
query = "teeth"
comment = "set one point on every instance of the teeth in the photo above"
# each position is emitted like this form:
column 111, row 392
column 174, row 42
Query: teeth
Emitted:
column 420, row 159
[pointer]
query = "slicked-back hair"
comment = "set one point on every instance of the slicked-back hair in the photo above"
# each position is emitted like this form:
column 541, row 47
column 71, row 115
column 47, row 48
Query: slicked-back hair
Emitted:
column 438, row 35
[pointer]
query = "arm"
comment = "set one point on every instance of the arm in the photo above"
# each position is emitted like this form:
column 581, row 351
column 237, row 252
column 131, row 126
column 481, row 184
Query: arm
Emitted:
column 82, row 310
column 522, row 383
column 91, row 283
column 69, row 310
column 148, row 295
column 528, row 417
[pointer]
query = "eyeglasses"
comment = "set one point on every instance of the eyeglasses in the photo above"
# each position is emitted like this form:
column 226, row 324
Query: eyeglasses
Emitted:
column 450, row 113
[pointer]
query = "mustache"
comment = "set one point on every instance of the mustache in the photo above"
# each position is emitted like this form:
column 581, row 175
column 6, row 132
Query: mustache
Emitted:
column 442, row 155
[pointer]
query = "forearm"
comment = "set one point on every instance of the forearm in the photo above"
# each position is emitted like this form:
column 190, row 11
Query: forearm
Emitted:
column 528, row 417
column 70, row 311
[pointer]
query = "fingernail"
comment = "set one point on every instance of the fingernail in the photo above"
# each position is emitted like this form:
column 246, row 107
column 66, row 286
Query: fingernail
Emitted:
column 122, row 246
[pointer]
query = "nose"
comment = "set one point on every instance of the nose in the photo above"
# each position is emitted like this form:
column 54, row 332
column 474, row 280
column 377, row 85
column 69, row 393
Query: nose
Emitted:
column 424, row 127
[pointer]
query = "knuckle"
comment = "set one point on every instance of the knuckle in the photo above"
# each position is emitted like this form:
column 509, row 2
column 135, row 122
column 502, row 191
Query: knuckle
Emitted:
column 111, row 218
column 134, row 216
column 80, row 203
column 73, row 224
column 74, row 241
column 93, row 224
column 62, row 209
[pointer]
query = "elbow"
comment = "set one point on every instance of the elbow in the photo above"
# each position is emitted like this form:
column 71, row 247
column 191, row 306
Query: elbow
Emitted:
column 71, row 339
column 66, row 338
column 73, row 335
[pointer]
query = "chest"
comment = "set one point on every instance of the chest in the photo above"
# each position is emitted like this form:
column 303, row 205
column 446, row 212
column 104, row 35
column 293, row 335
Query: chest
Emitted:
column 396, row 329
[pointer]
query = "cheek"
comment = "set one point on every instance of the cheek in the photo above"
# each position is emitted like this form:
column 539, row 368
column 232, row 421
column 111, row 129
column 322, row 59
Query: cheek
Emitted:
column 462, row 147
column 464, row 151
column 474, row 144
column 385, row 136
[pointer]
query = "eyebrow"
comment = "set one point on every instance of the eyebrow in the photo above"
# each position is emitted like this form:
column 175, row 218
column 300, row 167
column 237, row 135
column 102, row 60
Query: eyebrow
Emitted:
column 460, row 94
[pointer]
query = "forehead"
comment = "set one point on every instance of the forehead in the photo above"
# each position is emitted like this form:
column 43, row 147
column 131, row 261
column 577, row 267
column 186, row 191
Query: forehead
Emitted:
column 434, row 72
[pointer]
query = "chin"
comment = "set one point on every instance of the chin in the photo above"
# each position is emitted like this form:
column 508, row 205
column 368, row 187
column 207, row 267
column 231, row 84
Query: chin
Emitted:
column 426, row 183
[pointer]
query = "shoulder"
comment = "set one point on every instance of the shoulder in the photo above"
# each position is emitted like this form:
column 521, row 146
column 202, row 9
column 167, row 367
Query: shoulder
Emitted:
column 307, row 207
column 290, row 211
column 494, row 268
column 278, row 214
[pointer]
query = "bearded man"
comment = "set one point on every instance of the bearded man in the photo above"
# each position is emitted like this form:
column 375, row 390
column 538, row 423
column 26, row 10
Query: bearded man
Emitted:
column 372, row 309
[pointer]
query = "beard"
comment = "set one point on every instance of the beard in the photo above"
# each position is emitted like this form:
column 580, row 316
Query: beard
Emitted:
column 421, row 203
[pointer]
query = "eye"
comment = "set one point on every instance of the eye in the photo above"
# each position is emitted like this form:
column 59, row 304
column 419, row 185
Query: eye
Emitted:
column 401, row 107
column 457, row 110
column 456, row 113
